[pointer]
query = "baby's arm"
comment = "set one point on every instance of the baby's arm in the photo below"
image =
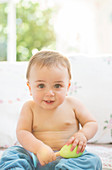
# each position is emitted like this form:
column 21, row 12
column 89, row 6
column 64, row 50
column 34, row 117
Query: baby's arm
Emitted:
column 88, row 123
column 24, row 134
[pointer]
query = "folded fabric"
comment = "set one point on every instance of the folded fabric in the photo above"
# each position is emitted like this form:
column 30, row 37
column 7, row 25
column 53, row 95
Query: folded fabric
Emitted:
column 16, row 158
column 87, row 161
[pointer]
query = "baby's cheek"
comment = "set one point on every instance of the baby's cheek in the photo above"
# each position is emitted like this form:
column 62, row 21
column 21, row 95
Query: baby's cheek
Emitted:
column 61, row 97
column 37, row 98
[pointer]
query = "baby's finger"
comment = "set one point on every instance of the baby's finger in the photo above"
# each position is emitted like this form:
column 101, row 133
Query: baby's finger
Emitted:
column 47, row 162
column 75, row 143
column 83, row 147
column 80, row 145
column 70, row 141
column 42, row 163
column 54, row 157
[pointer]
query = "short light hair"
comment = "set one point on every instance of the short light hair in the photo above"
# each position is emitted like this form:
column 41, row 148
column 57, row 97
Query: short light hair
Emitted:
column 48, row 59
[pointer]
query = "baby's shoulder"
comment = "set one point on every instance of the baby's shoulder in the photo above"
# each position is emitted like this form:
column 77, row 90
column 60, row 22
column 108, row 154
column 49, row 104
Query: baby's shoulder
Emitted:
column 29, row 104
column 73, row 101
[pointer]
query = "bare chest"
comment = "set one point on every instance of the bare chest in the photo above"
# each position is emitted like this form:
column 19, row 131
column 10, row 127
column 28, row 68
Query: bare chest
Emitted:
column 59, row 120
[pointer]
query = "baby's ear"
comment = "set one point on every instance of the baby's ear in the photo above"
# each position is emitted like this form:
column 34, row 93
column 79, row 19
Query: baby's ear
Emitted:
column 69, row 84
column 29, row 88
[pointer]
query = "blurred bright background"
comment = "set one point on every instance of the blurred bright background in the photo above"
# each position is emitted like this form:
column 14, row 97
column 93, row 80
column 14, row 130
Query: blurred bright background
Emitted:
column 69, row 26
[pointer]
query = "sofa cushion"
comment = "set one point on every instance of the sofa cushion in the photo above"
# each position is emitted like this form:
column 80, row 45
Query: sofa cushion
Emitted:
column 92, row 84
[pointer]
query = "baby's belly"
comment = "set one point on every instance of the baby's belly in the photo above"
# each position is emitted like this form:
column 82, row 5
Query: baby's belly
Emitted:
column 55, row 139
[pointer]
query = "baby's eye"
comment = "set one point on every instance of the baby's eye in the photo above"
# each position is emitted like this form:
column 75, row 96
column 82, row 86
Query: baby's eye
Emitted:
column 41, row 86
column 57, row 86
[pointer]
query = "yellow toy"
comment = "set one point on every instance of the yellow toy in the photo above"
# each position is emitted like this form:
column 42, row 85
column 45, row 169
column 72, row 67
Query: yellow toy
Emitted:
column 65, row 152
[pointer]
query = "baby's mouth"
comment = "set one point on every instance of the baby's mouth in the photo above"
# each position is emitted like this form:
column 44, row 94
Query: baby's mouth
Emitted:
column 49, row 101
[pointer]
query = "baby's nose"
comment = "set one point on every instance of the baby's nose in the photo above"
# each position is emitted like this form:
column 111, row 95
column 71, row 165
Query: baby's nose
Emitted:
column 50, row 93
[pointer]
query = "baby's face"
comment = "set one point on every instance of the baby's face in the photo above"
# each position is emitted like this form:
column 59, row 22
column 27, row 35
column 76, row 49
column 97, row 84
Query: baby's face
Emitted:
column 49, row 86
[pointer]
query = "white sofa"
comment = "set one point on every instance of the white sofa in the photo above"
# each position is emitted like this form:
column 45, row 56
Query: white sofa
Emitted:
column 91, row 83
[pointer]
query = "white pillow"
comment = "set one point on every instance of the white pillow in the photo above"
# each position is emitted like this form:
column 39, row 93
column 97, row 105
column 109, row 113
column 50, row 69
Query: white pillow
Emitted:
column 13, row 93
column 92, row 84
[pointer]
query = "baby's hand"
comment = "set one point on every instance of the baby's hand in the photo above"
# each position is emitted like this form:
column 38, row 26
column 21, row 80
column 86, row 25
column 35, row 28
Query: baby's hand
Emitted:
column 78, row 139
column 45, row 155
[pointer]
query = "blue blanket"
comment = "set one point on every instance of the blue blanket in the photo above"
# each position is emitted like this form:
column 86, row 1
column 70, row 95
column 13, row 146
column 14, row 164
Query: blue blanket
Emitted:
column 16, row 158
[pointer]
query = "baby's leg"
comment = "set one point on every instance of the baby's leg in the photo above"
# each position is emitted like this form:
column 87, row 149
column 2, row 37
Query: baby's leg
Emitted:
column 16, row 157
column 87, row 161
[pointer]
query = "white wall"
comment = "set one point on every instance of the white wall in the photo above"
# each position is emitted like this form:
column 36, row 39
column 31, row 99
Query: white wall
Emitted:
column 85, row 26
